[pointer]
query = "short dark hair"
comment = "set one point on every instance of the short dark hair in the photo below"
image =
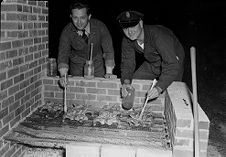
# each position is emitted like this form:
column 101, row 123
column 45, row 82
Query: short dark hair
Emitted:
column 79, row 5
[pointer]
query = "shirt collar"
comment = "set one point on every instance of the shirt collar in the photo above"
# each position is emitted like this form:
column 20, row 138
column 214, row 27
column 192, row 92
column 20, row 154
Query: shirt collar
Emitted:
column 87, row 30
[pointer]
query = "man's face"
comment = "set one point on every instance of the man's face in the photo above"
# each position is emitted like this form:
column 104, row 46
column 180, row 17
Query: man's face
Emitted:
column 133, row 32
column 80, row 18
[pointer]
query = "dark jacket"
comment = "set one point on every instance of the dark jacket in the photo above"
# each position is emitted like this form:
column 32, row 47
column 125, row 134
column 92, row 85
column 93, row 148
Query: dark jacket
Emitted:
column 74, row 51
column 162, row 51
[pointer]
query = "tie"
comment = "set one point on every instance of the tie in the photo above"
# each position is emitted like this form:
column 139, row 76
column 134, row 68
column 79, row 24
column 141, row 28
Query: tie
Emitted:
column 84, row 36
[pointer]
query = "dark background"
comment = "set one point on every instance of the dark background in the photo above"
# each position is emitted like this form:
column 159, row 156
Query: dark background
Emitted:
column 191, row 21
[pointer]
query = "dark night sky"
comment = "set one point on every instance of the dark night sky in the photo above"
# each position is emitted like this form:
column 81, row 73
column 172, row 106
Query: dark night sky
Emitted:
column 192, row 21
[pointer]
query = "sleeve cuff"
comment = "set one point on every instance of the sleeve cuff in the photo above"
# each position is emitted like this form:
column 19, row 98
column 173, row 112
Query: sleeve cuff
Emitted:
column 63, row 65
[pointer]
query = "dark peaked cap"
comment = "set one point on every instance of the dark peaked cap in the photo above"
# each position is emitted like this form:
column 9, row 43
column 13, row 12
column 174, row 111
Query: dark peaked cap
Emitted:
column 129, row 18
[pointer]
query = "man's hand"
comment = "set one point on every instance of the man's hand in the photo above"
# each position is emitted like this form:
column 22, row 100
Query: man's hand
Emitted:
column 63, row 81
column 154, row 93
column 109, row 69
column 63, row 77
column 125, row 88
column 63, row 72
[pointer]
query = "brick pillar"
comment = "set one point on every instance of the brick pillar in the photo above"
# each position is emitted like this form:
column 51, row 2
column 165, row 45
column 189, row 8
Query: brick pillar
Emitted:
column 23, row 52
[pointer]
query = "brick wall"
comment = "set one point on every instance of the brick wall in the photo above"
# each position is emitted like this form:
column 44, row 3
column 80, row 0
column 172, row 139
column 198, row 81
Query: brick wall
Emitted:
column 98, row 92
column 23, row 53
column 179, row 116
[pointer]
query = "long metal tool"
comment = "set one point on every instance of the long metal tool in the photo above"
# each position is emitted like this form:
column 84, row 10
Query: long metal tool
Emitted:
column 65, row 95
column 195, row 104
column 146, row 100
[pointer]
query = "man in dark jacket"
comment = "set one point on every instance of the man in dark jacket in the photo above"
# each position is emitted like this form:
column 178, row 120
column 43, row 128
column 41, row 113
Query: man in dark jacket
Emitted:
column 75, row 41
column 163, row 55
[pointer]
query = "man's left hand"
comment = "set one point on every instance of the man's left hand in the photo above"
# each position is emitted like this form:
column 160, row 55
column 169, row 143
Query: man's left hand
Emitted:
column 154, row 93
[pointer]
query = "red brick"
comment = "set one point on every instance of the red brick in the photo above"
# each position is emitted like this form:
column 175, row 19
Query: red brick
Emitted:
column 106, row 98
column 14, row 121
column 19, row 110
column 86, row 96
column 3, row 131
column 5, row 45
column 27, row 9
column 8, row 118
column 107, row 85
column 24, row 84
column 26, row 112
column 36, row 10
column 13, row 72
column 96, row 91
column 3, row 94
column 38, row 96
column 49, row 94
column 25, row 99
column 77, row 90
column 23, row 51
column 32, row 17
column 41, row 46
column 140, row 94
column 19, row 95
column 18, row 61
column 33, row 48
column 35, row 105
column 6, row 84
column 12, row 34
column 12, row 16
column 7, row 102
column 8, row 8
column 2, row 76
column 114, row 92
column 18, row 78
column 3, row 113
column 17, row 43
column 9, row 25
column 28, row 42
column 14, row 106
column 32, row 2
column 11, row 54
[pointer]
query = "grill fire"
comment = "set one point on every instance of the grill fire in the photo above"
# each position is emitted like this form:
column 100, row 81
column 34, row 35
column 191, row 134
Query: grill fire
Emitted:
column 107, row 126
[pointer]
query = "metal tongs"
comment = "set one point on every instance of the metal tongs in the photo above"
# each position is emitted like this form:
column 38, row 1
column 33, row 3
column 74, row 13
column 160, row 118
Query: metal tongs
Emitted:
column 146, row 100
column 65, row 96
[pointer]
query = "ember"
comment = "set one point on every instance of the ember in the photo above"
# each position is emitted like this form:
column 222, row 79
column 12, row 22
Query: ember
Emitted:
column 110, row 117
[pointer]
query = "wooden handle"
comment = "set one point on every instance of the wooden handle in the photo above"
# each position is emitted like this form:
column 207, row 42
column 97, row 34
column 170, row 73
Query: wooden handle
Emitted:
column 65, row 94
column 195, row 104
column 91, row 52
column 146, row 100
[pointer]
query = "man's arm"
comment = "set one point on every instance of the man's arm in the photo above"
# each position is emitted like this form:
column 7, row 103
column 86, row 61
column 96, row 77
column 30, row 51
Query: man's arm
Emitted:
column 107, row 45
column 127, row 61
column 165, row 44
column 64, row 51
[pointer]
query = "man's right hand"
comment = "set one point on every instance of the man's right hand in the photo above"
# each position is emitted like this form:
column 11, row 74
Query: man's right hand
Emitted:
column 63, row 77
column 125, row 88
column 63, row 72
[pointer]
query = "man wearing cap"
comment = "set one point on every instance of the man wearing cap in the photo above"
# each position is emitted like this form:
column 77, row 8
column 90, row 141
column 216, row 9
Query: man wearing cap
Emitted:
column 163, row 55
column 75, row 41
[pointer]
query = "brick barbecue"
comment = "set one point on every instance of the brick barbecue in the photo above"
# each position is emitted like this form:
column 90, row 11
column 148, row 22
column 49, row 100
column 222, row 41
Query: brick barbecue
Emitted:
column 172, row 135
